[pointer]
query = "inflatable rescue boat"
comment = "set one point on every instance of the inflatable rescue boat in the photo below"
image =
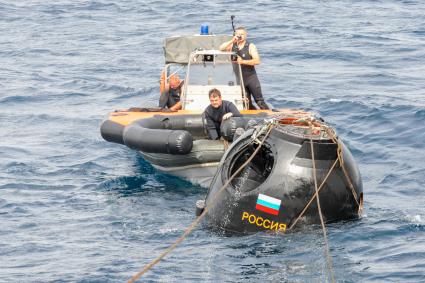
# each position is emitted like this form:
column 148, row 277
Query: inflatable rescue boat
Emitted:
column 176, row 141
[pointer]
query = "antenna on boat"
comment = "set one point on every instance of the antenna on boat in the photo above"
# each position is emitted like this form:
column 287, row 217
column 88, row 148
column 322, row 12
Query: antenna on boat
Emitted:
column 232, row 17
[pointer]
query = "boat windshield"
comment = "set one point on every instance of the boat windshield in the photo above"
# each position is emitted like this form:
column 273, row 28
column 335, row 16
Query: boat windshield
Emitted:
column 207, row 70
column 222, row 72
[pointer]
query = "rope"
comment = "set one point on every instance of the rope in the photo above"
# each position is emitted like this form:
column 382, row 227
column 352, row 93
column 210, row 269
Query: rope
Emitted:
column 342, row 164
column 314, row 195
column 339, row 159
column 258, row 132
column 328, row 257
column 200, row 217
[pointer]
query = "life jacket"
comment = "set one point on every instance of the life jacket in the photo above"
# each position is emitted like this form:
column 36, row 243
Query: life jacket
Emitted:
column 247, row 70
column 175, row 93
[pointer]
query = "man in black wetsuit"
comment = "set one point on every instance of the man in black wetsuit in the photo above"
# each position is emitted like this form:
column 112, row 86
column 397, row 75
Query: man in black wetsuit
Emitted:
column 218, row 111
column 170, row 95
column 247, row 57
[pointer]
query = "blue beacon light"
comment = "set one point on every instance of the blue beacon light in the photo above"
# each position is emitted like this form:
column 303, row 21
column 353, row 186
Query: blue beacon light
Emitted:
column 204, row 29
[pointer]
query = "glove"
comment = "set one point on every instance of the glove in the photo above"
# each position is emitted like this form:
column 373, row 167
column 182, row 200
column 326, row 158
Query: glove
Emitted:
column 227, row 116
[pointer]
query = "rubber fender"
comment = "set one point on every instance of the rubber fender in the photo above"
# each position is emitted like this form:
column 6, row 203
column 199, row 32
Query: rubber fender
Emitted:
column 228, row 127
column 194, row 124
column 158, row 140
column 112, row 132
column 156, row 135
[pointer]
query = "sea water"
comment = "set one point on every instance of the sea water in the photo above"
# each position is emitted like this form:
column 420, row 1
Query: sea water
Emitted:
column 75, row 208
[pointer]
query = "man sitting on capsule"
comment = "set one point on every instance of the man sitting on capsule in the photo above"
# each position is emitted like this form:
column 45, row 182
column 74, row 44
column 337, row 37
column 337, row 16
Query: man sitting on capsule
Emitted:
column 170, row 92
column 218, row 111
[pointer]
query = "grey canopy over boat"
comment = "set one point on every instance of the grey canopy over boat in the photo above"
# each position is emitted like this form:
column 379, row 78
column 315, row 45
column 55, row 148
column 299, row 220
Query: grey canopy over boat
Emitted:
column 177, row 49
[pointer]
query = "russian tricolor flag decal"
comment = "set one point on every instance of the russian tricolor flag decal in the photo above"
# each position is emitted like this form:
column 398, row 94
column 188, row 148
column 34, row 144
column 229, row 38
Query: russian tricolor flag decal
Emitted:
column 268, row 204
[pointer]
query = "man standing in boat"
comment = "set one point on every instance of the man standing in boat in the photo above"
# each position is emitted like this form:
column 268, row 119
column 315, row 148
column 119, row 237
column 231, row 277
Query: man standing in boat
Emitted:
column 218, row 111
column 247, row 57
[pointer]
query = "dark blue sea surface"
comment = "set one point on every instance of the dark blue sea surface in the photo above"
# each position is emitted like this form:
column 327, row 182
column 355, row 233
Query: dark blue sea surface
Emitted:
column 75, row 208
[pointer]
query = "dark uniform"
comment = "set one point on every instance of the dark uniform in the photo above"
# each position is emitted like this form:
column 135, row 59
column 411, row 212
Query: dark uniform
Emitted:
column 214, row 117
column 169, row 98
column 250, row 79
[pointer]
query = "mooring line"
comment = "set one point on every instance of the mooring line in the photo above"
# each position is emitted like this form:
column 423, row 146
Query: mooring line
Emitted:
column 314, row 196
column 327, row 252
column 342, row 164
column 200, row 217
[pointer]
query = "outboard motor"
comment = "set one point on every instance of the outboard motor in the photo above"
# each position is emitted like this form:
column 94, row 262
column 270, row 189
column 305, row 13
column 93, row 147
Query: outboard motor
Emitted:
column 273, row 189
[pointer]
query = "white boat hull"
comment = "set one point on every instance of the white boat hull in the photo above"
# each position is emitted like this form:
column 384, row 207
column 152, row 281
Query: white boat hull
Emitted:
column 200, row 174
